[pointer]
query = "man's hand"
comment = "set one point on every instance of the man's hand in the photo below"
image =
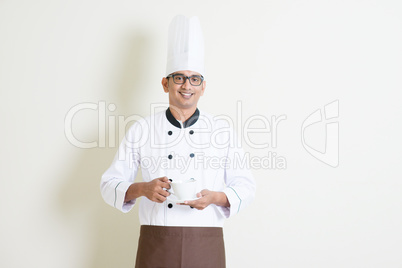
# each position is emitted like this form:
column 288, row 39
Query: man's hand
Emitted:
column 207, row 197
column 153, row 190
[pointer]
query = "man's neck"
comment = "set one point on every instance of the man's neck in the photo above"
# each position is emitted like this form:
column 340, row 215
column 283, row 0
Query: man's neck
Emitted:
column 182, row 114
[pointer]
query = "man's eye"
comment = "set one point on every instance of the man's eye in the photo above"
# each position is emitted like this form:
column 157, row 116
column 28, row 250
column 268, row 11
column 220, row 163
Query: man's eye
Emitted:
column 195, row 79
column 179, row 78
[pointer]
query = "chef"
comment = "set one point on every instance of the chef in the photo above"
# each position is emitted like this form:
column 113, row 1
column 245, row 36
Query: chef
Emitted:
column 180, row 143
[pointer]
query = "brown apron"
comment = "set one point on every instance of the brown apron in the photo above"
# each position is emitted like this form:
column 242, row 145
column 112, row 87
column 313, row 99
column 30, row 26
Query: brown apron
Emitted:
column 180, row 247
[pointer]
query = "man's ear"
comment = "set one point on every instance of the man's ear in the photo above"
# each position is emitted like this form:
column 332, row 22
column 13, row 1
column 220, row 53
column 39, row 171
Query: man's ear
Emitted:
column 165, row 84
column 204, row 85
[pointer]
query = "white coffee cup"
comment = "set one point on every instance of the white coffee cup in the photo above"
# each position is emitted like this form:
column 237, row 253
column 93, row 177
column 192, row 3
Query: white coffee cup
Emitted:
column 184, row 190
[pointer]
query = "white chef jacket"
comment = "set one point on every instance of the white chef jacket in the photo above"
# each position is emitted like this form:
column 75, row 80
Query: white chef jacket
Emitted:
column 203, row 148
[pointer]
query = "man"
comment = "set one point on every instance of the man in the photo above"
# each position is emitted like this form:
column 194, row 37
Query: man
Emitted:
column 180, row 143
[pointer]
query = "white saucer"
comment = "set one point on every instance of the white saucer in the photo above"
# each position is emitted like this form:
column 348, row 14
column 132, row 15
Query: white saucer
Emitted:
column 174, row 199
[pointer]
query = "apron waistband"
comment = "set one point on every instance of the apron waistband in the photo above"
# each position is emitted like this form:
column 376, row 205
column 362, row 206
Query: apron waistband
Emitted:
column 153, row 230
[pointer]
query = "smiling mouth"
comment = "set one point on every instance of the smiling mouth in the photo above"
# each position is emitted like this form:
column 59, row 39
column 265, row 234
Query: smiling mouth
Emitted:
column 186, row 95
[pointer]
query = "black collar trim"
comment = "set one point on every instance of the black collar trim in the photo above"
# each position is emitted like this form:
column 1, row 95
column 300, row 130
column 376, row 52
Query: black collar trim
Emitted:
column 188, row 123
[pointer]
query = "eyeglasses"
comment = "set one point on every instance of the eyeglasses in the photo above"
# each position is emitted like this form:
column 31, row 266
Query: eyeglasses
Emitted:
column 180, row 79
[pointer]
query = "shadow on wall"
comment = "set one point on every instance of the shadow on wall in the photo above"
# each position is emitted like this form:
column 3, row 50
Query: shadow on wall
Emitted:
column 112, row 235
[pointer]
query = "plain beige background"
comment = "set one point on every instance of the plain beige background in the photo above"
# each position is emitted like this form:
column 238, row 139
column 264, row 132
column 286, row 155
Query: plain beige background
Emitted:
column 272, row 58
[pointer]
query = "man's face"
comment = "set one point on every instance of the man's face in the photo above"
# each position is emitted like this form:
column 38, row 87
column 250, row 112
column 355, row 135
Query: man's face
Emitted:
column 183, row 96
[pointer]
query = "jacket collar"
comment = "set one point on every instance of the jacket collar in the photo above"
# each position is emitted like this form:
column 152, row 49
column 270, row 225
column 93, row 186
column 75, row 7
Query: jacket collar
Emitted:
column 189, row 122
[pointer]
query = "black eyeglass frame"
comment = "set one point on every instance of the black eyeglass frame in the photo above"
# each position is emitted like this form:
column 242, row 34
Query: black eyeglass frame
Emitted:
column 185, row 79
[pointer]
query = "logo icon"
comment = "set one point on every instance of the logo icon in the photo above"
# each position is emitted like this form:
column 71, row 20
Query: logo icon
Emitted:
column 323, row 126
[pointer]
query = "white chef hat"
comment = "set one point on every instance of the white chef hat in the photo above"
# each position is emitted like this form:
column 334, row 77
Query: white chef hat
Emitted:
column 185, row 46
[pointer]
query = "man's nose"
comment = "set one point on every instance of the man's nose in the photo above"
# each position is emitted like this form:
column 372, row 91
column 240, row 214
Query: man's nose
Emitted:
column 186, row 84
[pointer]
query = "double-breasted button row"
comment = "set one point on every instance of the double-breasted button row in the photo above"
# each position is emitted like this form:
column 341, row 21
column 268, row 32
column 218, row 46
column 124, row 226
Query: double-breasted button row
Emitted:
column 170, row 133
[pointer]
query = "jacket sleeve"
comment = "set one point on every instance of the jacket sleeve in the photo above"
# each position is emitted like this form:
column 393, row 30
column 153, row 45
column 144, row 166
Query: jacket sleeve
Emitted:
column 240, row 184
column 122, row 172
